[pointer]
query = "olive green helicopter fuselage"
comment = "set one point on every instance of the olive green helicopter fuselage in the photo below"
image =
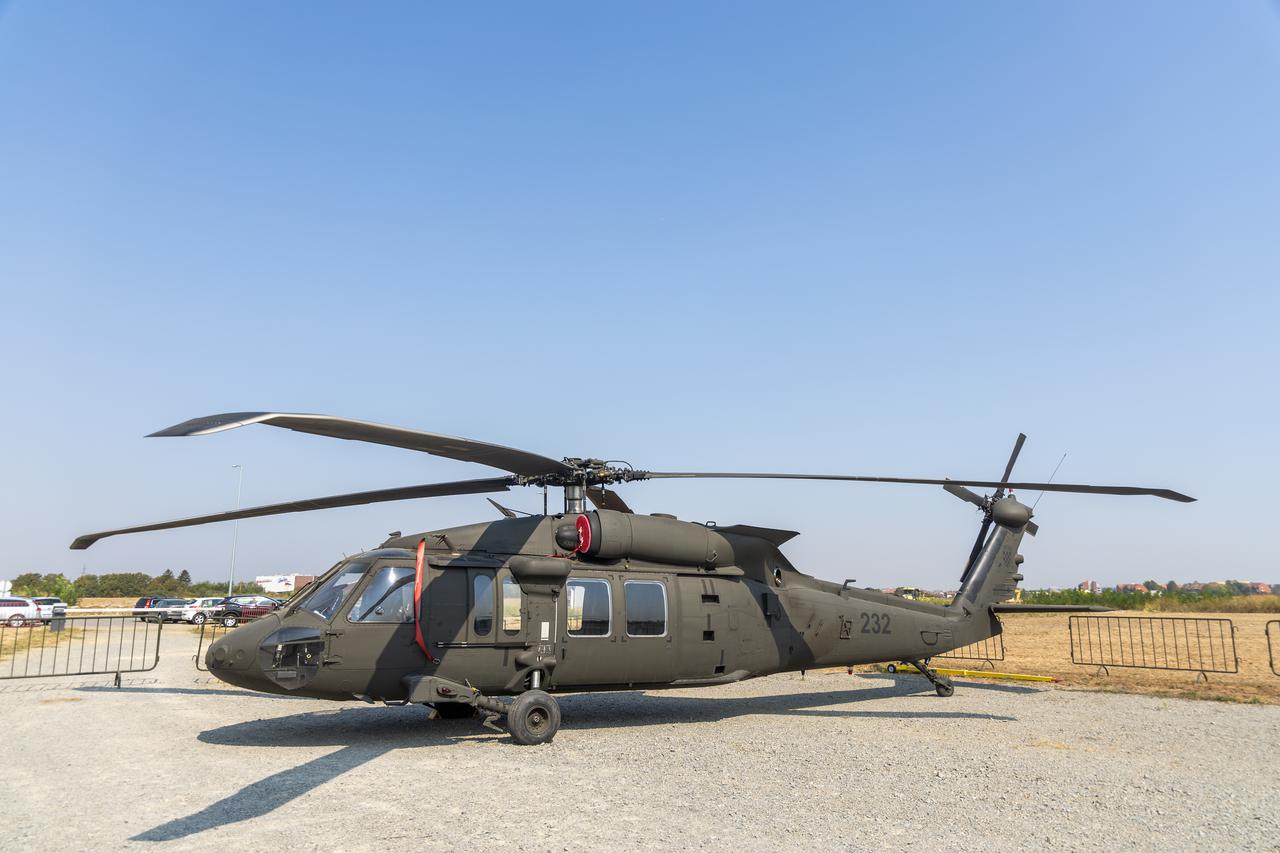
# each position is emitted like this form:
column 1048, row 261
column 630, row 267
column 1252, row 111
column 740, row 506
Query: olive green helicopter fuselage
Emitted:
column 684, row 604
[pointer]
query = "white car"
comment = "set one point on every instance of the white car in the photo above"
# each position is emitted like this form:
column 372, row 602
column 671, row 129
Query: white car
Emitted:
column 197, row 611
column 18, row 611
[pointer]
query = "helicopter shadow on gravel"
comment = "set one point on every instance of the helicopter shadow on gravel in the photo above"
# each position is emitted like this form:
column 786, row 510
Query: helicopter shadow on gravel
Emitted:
column 363, row 734
column 614, row 710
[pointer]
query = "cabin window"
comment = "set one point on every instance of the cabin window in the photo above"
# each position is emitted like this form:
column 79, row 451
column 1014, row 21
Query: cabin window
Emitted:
column 482, row 604
column 646, row 608
column 511, row 606
column 590, row 607
column 388, row 596
column 326, row 600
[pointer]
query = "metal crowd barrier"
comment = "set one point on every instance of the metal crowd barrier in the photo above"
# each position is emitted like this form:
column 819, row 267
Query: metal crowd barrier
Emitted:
column 79, row 645
column 1273, row 644
column 988, row 651
column 1187, row 644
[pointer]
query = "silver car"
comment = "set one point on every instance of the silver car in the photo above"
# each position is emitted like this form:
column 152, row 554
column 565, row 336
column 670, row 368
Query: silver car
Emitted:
column 49, row 608
column 165, row 610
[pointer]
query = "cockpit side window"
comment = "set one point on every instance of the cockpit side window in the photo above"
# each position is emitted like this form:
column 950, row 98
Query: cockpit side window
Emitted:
column 388, row 597
column 327, row 599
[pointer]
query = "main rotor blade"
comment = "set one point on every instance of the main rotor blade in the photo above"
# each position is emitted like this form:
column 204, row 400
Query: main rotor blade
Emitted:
column 465, row 449
column 603, row 498
column 402, row 493
column 1167, row 494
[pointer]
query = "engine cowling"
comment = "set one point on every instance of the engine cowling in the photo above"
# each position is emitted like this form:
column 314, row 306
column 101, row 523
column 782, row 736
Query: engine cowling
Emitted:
column 609, row 535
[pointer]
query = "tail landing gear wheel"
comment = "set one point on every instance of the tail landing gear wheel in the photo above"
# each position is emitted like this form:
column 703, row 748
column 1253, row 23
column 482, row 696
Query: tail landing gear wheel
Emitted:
column 533, row 718
column 455, row 710
column 941, row 684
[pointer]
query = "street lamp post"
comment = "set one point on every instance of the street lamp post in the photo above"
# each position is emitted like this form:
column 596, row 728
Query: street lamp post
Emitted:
column 235, row 530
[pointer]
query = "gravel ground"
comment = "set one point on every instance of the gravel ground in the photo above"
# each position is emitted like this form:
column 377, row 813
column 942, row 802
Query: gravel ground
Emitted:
column 829, row 761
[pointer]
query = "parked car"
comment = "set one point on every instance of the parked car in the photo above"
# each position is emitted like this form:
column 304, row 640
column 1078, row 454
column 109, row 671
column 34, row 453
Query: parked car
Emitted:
column 197, row 610
column 18, row 611
column 166, row 610
column 50, row 607
column 145, row 602
column 241, row 608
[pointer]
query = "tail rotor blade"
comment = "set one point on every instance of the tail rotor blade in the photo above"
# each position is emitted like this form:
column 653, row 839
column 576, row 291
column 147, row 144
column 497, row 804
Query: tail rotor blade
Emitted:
column 965, row 495
column 1013, row 457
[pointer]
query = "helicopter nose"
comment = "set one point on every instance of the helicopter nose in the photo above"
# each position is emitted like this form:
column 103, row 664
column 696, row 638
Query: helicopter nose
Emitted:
column 233, row 657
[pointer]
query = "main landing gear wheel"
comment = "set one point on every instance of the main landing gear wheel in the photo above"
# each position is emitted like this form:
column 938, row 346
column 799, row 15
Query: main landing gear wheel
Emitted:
column 944, row 689
column 455, row 710
column 533, row 718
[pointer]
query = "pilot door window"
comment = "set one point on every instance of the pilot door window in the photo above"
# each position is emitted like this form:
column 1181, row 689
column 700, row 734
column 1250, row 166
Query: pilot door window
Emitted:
column 589, row 608
column 646, row 608
column 387, row 598
column 511, row 618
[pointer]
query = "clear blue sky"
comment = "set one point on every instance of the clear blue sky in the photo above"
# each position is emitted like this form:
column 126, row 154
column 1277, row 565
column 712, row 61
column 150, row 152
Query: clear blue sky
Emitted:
column 855, row 238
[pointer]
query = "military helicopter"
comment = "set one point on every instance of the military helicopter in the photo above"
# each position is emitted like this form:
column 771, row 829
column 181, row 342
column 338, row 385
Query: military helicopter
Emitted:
column 587, row 599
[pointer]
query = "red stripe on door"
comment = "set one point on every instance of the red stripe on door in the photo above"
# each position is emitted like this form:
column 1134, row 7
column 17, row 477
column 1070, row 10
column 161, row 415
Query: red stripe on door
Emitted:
column 417, row 601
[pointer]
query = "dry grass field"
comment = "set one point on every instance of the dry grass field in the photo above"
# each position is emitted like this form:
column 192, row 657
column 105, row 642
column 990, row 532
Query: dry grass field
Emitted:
column 1038, row 644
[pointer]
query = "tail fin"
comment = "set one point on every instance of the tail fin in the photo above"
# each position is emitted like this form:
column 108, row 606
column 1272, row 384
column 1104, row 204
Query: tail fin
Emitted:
column 993, row 577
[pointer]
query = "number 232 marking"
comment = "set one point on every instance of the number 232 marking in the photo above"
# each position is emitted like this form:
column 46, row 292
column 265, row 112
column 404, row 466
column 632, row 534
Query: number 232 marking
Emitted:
column 875, row 623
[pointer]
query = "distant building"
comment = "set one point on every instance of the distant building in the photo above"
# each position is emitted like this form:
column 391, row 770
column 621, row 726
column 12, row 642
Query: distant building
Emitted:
column 277, row 584
column 1260, row 588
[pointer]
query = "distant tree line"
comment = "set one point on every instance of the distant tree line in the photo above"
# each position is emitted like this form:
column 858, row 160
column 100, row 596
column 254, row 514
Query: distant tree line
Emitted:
column 1232, row 596
column 122, row 585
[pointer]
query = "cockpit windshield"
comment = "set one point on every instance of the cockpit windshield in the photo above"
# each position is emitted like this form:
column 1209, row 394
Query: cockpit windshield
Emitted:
column 326, row 600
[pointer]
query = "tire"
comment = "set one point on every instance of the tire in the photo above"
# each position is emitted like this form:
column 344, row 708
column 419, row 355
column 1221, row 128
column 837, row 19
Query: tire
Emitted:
column 199, row 619
column 944, row 690
column 229, row 621
column 455, row 710
column 891, row 668
column 16, row 621
column 533, row 718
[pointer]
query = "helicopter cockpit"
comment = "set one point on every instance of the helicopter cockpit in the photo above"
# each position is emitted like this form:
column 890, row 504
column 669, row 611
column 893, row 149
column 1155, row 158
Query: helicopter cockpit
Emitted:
column 388, row 597
column 359, row 608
